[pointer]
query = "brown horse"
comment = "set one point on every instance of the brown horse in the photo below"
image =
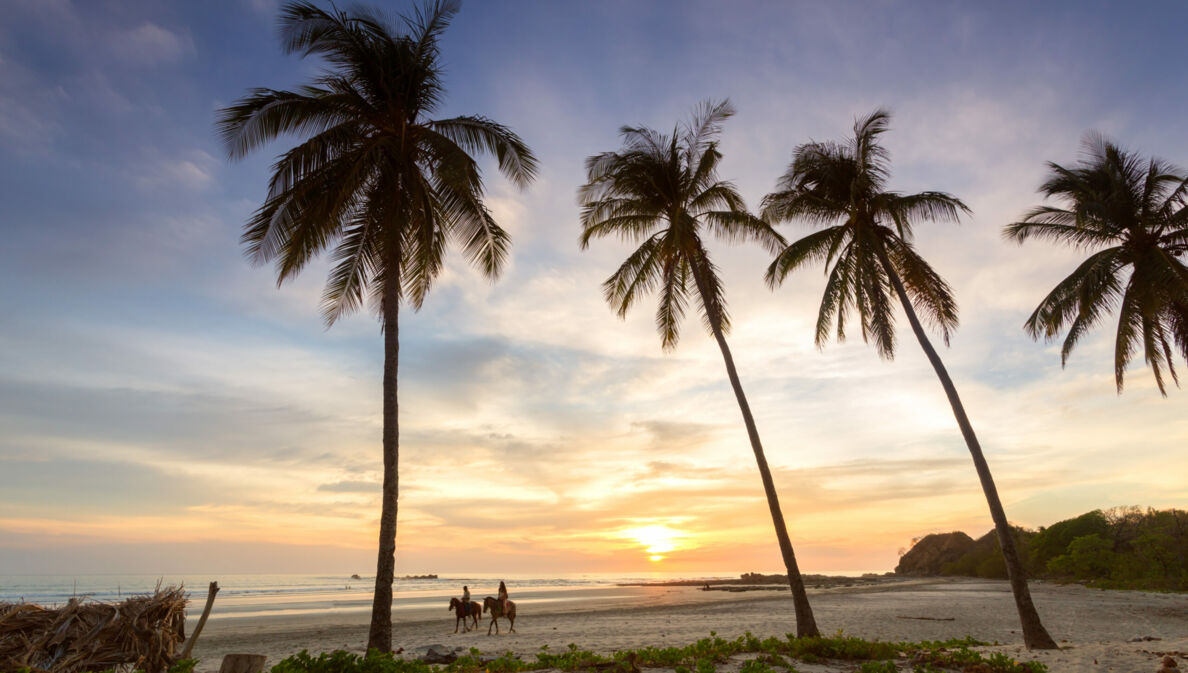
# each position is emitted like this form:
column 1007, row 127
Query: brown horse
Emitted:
column 462, row 613
column 491, row 603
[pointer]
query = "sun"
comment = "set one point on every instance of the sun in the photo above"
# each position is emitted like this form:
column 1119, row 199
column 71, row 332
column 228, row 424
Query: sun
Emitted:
column 656, row 539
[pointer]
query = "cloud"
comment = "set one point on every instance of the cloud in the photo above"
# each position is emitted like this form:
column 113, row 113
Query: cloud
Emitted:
column 350, row 487
column 191, row 170
column 149, row 44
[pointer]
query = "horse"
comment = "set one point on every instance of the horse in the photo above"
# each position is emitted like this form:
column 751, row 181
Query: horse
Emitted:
column 496, row 607
column 460, row 610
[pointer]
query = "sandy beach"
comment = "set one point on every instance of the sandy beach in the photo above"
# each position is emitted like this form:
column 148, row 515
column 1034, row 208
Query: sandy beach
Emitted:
column 1095, row 628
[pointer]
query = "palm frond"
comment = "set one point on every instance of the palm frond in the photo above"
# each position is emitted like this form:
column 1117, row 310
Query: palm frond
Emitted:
column 928, row 206
column 1088, row 292
column 711, row 296
column 735, row 226
column 266, row 114
column 930, row 295
column 674, row 296
column 479, row 134
column 1057, row 225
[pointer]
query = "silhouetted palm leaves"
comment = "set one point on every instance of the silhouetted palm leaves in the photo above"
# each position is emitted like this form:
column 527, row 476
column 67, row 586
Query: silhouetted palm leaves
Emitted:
column 1131, row 214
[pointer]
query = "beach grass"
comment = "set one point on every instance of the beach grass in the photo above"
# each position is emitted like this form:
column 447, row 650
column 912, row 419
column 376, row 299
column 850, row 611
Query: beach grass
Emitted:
column 770, row 655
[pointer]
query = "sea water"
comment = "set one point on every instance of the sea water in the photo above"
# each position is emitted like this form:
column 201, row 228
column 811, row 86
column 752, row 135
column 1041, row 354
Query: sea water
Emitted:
column 262, row 595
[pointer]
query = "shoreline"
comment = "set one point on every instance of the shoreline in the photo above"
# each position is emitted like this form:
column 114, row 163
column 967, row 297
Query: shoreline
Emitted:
column 1091, row 625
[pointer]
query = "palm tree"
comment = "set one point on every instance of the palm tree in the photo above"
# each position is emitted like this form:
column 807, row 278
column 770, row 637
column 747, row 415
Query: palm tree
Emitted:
column 378, row 181
column 1132, row 213
column 664, row 191
column 865, row 241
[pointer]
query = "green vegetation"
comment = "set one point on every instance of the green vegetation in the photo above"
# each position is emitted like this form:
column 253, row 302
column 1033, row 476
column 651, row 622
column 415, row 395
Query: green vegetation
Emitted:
column 703, row 656
column 1119, row 548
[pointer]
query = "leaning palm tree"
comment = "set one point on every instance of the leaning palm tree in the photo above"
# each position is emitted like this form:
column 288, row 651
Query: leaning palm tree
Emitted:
column 1132, row 213
column 865, row 241
column 379, row 182
column 663, row 190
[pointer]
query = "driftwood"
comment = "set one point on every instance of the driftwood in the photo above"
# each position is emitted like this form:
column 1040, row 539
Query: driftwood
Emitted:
column 142, row 632
column 243, row 663
column 210, row 596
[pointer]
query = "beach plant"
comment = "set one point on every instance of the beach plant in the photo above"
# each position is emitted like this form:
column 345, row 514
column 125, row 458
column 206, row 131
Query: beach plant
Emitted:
column 376, row 181
column 1131, row 214
column 663, row 191
column 702, row 656
column 755, row 666
column 864, row 238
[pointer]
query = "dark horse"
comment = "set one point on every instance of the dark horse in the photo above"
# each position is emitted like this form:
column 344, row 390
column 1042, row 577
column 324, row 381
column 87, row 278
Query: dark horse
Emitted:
column 462, row 613
column 491, row 603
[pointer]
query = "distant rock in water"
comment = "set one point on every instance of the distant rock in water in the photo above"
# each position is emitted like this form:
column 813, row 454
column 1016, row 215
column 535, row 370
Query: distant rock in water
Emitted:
column 932, row 552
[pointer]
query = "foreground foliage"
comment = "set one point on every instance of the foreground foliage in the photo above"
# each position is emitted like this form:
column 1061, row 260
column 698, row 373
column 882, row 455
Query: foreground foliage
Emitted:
column 703, row 656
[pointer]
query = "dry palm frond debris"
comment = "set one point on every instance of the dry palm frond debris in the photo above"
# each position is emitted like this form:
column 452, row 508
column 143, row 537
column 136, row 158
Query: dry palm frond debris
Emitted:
column 141, row 633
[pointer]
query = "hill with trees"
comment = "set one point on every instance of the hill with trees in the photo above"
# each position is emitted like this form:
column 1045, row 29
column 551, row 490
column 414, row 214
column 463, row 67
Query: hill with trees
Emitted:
column 1118, row 548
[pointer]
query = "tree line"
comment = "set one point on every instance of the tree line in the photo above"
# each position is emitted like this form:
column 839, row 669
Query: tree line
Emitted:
column 1117, row 548
column 384, row 188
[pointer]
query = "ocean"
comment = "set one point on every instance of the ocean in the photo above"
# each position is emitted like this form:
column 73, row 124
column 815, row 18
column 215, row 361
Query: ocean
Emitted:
column 264, row 595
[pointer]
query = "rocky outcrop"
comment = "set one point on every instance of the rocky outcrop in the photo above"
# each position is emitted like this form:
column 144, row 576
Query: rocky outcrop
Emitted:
column 932, row 552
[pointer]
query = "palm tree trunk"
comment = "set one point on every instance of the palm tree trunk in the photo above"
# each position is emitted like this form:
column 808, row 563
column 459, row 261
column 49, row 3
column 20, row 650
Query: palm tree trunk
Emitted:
column 380, row 635
column 1035, row 636
column 806, row 624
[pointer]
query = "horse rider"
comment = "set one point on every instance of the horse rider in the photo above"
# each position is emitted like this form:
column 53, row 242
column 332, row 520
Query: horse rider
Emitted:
column 465, row 601
column 503, row 596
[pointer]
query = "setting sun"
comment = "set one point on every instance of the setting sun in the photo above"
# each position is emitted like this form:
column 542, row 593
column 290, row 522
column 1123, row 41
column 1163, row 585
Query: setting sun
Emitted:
column 656, row 539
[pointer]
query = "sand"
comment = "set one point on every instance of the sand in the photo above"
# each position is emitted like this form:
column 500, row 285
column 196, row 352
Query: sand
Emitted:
column 1095, row 628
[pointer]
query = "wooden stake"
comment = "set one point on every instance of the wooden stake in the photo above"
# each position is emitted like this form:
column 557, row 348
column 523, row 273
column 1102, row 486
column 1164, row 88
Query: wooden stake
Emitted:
column 243, row 663
column 210, row 596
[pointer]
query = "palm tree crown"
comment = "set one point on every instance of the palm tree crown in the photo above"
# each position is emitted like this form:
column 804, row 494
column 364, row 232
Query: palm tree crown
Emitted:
column 375, row 178
column 664, row 190
column 842, row 188
column 1131, row 212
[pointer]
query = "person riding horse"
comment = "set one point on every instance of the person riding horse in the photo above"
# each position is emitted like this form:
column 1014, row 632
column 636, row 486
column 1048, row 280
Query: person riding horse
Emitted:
column 464, row 610
column 503, row 596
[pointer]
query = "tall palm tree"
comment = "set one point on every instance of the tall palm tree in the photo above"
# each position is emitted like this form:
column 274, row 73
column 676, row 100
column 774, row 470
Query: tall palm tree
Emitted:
column 1132, row 213
column 865, row 241
column 663, row 190
column 379, row 182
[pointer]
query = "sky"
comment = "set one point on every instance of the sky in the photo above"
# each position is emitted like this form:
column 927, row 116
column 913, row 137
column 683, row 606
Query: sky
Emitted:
column 165, row 408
